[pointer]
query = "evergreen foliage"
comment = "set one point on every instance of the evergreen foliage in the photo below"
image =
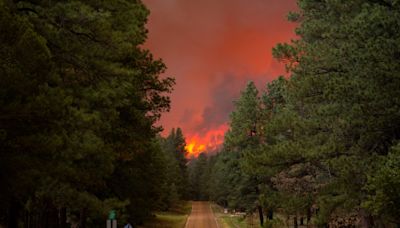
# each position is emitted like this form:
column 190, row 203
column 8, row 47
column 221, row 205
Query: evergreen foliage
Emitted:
column 79, row 101
column 177, row 174
column 80, row 97
column 324, row 142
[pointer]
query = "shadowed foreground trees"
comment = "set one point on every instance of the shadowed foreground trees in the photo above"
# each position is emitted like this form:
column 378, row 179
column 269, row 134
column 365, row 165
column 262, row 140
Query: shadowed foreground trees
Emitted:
column 326, row 139
column 342, row 105
column 79, row 99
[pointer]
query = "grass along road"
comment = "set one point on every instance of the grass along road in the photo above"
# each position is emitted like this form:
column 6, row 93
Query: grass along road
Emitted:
column 227, row 220
column 175, row 218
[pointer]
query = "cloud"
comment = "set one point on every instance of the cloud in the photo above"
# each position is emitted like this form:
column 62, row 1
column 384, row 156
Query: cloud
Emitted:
column 213, row 48
column 223, row 94
column 187, row 117
column 217, row 111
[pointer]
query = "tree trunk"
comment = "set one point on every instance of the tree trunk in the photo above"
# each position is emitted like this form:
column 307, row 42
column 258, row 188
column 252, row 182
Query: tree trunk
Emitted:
column 301, row 221
column 63, row 217
column 82, row 218
column 287, row 221
column 260, row 214
column 309, row 212
column 26, row 218
column 29, row 219
column 32, row 219
column 52, row 219
column 13, row 215
column 270, row 214
column 295, row 225
column 259, row 208
column 42, row 217
column 367, row 221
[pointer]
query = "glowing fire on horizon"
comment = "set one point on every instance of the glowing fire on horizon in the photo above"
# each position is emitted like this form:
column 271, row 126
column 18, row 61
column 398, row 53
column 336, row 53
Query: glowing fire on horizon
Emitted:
column 194, row 147
column 205, row 143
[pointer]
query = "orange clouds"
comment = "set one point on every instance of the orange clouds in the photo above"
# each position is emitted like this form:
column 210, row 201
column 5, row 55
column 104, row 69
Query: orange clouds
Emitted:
column 212, row 48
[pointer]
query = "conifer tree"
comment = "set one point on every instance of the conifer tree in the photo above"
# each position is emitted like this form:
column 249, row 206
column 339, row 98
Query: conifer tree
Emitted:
column 79, row 101
column 343, row 97
column 243, row 137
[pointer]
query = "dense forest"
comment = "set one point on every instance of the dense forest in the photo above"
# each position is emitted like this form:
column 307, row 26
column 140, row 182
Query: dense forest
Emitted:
column 321, row 146
column 80, row 99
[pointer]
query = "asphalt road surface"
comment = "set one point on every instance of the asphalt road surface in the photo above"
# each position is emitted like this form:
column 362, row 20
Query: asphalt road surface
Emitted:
column 201, row 216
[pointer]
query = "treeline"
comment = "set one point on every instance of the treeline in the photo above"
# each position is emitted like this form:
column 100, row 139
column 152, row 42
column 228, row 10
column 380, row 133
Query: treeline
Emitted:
column 321, row 147
column 79, row 98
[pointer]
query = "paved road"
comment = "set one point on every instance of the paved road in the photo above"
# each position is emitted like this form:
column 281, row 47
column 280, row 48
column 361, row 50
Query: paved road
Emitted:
column 201, row 216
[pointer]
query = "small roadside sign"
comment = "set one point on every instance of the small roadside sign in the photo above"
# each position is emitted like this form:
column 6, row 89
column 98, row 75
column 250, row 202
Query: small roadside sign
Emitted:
column 112, row 219
column 112, row 215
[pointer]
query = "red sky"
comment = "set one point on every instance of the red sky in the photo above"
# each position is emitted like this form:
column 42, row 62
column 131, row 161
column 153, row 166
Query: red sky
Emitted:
column 213, row 48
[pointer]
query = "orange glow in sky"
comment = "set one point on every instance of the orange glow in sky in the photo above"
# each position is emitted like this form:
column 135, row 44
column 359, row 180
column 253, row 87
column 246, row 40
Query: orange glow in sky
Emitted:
column 213, row 48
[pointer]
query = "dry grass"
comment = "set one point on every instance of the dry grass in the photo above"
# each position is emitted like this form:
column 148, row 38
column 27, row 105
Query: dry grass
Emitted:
column 228, row 220
column 175, row 218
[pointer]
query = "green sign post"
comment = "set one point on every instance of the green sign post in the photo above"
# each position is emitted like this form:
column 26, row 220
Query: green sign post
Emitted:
column 112, row 219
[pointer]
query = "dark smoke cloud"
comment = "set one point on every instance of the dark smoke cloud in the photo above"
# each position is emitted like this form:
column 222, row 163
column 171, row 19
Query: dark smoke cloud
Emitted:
column 223, row 94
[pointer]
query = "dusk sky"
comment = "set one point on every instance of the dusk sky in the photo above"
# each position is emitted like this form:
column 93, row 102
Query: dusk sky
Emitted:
column 213, row 48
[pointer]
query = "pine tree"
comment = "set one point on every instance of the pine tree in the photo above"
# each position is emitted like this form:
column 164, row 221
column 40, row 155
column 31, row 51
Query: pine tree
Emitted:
column 343, row 97
column 79, row 100
column 244, row 137
column 174, row 147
